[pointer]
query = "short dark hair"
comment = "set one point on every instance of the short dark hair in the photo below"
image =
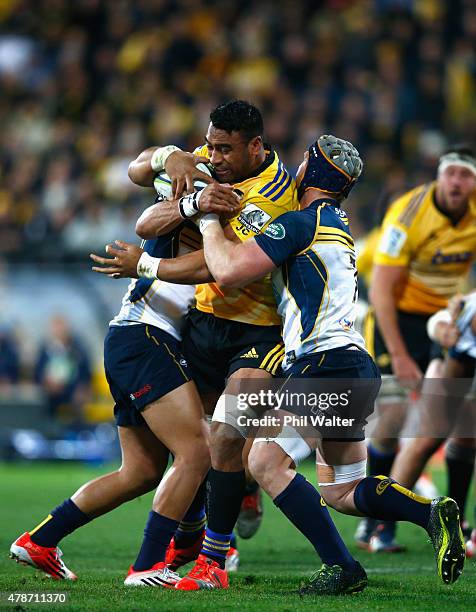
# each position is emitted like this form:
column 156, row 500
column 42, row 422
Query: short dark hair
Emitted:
column 462, row 148
column 238, row 116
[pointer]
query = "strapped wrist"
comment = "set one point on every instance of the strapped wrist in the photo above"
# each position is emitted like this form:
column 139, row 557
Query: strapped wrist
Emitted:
column 160, row 156
column 147, row 266
column 189, row 205
column 206, row 220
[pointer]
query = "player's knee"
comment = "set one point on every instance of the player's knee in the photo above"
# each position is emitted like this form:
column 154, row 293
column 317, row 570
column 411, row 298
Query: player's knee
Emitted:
column 265, row 460
column 143, row 478
column 193, row 455
column 424, row 447
column 226, row 447
column 339, row 497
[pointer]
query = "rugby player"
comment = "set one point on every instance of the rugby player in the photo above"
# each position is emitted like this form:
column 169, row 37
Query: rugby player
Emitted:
column 444, row 410
column 311, row 257
column 427, row 246
column 157, row 411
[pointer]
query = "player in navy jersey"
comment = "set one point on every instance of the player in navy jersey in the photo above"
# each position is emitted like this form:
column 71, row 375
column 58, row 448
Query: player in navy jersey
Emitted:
column 311, row 257
column 157, row 410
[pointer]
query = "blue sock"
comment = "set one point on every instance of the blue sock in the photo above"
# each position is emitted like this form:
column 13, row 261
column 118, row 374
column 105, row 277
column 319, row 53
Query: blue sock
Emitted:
column 304, row 507
column 157, row 535
column 233, row 542
column 62, row 521
column 379, row 462
column 382, row 498
column 216, row 545
column 193, row 523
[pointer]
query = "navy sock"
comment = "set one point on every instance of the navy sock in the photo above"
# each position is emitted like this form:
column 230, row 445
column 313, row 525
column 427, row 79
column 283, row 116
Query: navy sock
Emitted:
column 157, row 535
column 379, row 462
column 193, row 523
column 62, row 521
column 225, row 494
column 304, row 507
column 460, row 467
column 382, row 498
column 233, row 542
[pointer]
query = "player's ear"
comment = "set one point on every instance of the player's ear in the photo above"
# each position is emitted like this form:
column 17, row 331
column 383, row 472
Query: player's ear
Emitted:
column 255, row 145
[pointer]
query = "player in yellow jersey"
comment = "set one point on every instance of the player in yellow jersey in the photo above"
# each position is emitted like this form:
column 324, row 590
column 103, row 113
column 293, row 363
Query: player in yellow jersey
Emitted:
column 427, row 246
column 232, row 334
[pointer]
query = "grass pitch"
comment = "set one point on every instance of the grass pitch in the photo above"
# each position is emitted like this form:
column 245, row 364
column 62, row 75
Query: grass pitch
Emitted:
column 273, row 563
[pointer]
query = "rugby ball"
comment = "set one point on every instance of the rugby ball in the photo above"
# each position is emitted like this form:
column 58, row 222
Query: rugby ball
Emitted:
column 163, row 184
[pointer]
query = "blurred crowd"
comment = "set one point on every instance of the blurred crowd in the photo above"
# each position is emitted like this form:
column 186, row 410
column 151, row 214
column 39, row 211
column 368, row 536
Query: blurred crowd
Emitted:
column 88, row 84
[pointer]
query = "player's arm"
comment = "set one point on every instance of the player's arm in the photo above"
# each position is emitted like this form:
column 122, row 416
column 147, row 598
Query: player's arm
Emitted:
column 442, row 329
column 233, row 264
column 130, row 261
column 165, row 216
column 387, row 282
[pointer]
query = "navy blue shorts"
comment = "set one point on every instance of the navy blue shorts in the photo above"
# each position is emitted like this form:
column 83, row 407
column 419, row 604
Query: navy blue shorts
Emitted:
column 352, row 372
column 142, row 364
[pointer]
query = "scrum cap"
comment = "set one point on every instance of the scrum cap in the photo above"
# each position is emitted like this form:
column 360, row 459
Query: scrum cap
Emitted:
column 334, row 166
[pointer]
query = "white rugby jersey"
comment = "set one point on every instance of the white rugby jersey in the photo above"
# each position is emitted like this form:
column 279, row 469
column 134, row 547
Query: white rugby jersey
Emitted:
column 316, row 279
column 157, row 302
column 467, row 341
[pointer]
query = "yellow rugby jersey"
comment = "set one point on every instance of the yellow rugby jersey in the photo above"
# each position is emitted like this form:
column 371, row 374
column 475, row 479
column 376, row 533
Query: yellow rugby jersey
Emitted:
column 268, row 194
column 365, row 255
column 438, row 254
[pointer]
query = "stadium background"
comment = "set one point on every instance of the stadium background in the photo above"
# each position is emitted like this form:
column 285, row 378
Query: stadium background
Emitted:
column 88, row 84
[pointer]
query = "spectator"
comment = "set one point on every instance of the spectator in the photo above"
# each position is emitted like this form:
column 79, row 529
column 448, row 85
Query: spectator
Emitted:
column 63, row 370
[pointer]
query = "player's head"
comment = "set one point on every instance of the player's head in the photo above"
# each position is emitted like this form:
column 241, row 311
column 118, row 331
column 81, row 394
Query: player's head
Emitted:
column 331, row 165
column 235, row 140
column 456, row 179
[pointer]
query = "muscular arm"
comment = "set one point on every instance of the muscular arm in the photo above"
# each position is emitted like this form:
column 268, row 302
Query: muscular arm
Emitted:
column 387, row 282
column 158, row 219
column 189, row 269
column 140, row 171
column 233, row 264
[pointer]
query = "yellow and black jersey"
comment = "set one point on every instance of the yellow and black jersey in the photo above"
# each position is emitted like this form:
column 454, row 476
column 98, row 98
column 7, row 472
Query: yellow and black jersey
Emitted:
column 365, row 255
column 270, row 192
column 437, row 253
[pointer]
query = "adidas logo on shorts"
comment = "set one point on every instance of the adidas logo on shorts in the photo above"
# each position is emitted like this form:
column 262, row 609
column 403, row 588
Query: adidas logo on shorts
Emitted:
column 251, row 354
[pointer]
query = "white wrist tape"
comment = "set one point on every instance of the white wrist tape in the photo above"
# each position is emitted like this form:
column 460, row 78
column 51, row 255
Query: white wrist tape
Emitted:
column 442, row 316
column 206, row 220
column 160, row 156
column 189, row 204
column 147, row 266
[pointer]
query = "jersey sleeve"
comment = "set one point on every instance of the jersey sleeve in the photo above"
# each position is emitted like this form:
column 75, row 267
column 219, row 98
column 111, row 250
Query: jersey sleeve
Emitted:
column 394, row 246
column 202, row 151
column 282, row 238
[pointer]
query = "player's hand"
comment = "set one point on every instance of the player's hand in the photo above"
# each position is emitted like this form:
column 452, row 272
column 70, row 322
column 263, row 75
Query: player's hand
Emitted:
column 123, row 260
column 407, row 371
column 219, row 198
column 455, row 305
column 446, row 334
column 182, row 170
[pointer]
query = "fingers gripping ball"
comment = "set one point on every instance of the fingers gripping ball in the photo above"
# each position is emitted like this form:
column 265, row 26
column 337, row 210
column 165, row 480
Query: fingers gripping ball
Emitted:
column 334, row 165
column 163, row 184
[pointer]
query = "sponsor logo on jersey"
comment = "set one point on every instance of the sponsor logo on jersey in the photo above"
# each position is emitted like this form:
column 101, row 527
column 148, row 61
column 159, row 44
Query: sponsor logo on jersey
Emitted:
column 276, row 231
column 439, row 258
column 346, row 324
column 253, row 218
column 141, row 392
column 392, row 241
column 382, row 485
column 183, row 362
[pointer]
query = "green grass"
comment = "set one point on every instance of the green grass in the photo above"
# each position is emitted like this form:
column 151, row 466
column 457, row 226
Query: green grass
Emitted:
column 274, row 562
